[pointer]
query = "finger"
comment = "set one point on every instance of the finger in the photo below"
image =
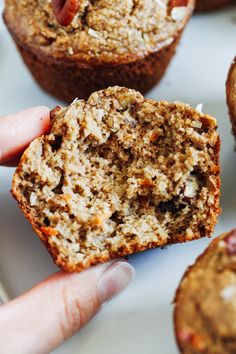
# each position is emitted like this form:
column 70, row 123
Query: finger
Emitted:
column 18, row 130
column 54, row 310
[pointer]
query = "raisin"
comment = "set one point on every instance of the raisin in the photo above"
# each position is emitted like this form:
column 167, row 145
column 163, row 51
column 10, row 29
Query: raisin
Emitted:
column 173, row 206
column 58, row 188
column 46, row 221
column 56, row 144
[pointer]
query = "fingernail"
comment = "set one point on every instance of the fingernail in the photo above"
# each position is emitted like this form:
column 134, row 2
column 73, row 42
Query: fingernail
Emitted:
column 114, row 280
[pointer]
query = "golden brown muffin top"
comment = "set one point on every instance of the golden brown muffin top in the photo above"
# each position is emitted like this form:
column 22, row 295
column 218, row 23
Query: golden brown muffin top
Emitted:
column 102, row 30
column 206, row 301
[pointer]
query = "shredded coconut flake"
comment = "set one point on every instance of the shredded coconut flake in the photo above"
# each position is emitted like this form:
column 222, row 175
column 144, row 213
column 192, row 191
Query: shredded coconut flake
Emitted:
column 228, row 292
column 93, row 33
column 199, row 108
column 76, row 100
column 179, row 13
column 161, row 4
column 70, row 51
column 221, row 244
column 166, row 42
column 33, row 199
column 100, row 113
column 191, row 188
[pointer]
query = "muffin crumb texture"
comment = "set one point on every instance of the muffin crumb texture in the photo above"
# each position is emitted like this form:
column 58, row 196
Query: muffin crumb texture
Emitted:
column 205, row 304
column 119, row 174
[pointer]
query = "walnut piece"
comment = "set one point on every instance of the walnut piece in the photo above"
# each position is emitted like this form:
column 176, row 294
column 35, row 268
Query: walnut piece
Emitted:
column 65, row 10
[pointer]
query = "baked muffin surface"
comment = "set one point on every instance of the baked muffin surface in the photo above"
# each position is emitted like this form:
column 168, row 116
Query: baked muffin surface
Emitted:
column 205, row 304
column 116, row 31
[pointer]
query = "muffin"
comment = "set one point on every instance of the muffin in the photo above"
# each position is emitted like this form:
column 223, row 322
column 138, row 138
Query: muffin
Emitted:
column 205, row 303
column 119, row 174
column 106, row 42
column 209, row 5
column 231, row 94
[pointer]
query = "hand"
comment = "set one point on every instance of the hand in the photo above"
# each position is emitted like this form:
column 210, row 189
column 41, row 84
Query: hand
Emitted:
column 55, row 309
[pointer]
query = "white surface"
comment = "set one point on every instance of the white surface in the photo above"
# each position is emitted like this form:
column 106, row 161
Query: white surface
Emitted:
column 140, row 320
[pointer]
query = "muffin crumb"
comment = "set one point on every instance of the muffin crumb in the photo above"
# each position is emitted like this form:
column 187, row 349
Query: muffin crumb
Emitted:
column 119, row 174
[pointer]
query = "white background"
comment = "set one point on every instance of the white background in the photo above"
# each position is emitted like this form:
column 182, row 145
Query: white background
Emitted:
column 140, row 320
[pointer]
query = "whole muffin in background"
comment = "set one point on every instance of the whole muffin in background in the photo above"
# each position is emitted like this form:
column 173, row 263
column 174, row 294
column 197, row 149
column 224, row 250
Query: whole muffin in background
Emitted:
column 108, row 42
column 205, row 303
column 120, row 174
column 210, row 5
column 231, row 94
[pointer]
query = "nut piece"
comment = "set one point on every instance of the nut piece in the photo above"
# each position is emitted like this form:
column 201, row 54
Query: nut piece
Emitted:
column 178, row 3
column 65, row 10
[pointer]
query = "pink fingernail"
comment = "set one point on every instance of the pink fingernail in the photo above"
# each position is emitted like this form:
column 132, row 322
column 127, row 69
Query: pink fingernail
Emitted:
column 114, row 280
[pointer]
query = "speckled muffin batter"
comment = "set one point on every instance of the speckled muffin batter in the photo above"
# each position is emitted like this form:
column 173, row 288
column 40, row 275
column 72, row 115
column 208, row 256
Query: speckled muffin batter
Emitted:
column 125, row 42
column 205, row 303
column 120, row 174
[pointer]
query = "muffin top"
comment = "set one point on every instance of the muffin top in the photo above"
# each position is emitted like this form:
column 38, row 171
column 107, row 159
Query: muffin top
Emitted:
column 102, row 30
column 206, row 301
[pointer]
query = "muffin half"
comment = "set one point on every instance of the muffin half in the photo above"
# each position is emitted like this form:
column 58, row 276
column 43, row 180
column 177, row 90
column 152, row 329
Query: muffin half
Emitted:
column 119, row 174
column 126, row 42
column 205, row 303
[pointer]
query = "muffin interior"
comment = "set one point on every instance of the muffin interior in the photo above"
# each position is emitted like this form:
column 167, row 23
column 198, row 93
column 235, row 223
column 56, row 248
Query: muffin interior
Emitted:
column 119, row 174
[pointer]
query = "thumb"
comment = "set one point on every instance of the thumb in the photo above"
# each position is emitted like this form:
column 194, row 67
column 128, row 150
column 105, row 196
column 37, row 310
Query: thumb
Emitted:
column 19, row 129
column 54, row 310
